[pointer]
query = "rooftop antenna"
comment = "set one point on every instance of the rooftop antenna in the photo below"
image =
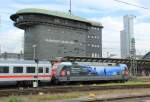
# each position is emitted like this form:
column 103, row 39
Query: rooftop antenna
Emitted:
column 70, row 8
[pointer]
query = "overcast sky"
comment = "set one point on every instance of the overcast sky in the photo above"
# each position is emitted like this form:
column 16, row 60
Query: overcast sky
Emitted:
column 109, row 12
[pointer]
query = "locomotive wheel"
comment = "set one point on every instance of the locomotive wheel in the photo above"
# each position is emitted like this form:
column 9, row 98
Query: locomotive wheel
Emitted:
column 55, row 81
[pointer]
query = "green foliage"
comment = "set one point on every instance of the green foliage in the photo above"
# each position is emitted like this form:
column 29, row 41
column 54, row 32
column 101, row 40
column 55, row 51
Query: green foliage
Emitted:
column 12, row 99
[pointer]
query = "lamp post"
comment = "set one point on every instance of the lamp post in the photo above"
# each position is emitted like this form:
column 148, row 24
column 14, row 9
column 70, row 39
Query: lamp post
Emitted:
column 34, row 46
column 37, row 71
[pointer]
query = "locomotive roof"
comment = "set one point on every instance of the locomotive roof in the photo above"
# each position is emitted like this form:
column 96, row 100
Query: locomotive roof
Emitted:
column 66, row 63
column 22, row 61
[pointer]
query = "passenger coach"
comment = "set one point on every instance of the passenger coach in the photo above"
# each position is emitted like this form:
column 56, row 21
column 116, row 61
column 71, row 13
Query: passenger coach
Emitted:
column 23, row 72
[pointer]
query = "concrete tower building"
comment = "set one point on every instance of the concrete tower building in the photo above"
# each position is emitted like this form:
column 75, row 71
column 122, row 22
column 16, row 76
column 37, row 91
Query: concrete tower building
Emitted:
column 50, row 34
column 127, row 40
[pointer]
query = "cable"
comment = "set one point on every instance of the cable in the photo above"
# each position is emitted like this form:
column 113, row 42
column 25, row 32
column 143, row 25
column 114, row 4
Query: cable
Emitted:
column 132, row 4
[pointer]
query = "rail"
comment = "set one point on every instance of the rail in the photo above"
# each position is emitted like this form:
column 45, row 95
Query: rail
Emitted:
column 64, row 89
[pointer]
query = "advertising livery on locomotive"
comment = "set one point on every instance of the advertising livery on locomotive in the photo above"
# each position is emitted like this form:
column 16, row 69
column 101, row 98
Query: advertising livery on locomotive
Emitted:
column 88, row 71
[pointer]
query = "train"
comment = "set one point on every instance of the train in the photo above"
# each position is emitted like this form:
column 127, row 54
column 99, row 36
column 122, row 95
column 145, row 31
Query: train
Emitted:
column 28, row 72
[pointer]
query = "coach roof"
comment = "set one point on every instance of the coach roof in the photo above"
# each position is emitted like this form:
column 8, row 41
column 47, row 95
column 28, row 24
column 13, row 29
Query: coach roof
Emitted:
column 16, row 61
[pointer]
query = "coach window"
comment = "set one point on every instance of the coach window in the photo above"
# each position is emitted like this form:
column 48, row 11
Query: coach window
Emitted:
column 30, row 69
column 40, row 69
column 4, row 69
column 18, row 70
column 47, row 70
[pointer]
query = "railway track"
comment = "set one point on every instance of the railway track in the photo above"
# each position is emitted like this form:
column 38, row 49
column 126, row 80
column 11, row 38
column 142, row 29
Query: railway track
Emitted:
column 64, row 89
column 136, row 98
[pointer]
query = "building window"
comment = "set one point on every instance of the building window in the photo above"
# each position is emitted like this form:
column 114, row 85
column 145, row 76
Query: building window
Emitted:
column 92, row 45
column 63, row 31
column 66, row 21
column 49, row 30
column 95, row 54
column 21, row 17
column 57, row 20
column 4, row 69
column 30, row 69
column 80, row 44
column 17, row 20
column 76, row 41
column 92, row 54
column 18, row 69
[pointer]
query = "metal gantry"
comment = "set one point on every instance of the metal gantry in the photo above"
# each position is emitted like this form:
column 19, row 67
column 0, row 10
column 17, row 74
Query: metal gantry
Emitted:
column 133, row 67
column 133, row 64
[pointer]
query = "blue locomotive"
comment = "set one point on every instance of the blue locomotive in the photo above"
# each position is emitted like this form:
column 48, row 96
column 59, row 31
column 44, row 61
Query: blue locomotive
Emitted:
column 88, row 72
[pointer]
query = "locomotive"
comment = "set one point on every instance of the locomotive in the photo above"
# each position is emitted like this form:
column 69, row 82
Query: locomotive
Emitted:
column 26, row 72
column 65, row 72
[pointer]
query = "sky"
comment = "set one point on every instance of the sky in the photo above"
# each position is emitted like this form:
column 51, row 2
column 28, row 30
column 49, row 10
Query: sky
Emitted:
column 108, row 12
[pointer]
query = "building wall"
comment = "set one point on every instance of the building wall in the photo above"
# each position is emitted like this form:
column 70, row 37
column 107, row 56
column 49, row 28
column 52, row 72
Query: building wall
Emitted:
column 146, row 56
column 126, row 35
column 53, row 41
column 124, row 45
column 47, row 37
column 94, row 42
column 129, row 25
column 7, row 55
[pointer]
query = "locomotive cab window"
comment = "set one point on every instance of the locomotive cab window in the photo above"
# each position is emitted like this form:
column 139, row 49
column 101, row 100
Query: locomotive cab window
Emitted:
column 4, row 69
column 40, row 70
column 47, row 69
column 109, row 64
column 30, row 69
column 18, row 69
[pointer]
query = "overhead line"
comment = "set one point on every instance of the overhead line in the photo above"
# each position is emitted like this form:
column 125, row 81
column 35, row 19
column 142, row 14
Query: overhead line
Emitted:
column 133, row 4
